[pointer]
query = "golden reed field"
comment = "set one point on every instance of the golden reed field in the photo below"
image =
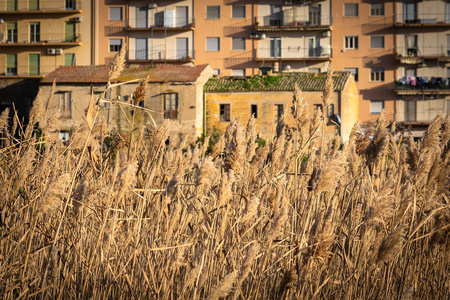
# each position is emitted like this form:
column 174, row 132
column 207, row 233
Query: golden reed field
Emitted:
column 103, row 216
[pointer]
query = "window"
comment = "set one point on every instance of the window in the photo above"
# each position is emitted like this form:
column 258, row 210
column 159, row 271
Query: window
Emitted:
column 170, row 106
column 115, row 13
column 351, row 9
column 64, row 136
column 115, row 45
column 12, row 32
column 275, row 47
column 65, row 99
column 11, row 64
column 216, row 71
column 213, row 12
column 377, row 42
column 354, row 72
column 35, row 32
column 33, row 4
column 70, row 5
column 212, row 44
column 69, row 32
column 280, row 110
column 69, row 59
column 330, row 111
column 238, row 72
column 11, row 5
column 377, row 74
column 254, row 110
column 238, row 12
column 376, row 106
column 314, row 70
column 238, row 43
column 318, row 106
column 225, row 113
column 351, row 42
column 33, row 64
column 377, row 9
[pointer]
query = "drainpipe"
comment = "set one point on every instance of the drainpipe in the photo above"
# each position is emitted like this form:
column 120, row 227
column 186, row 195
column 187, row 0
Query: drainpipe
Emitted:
column 204, row 113
column 340, row 114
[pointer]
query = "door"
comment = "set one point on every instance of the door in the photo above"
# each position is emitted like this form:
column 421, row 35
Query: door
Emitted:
column 275, row 47
column 141, row 49
column 314, row 46
column 33, row 64
column 275, row 15
column 410, row 12
column 142, row 17
column 169, row 18
column 314, row 14
column 182, row 48
column 69, row 59
column 181, row 16
column 69, row 31
column 411, row 45
column 410, row 110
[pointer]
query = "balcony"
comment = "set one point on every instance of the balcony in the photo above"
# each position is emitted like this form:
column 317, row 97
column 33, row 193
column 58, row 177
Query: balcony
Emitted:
column 27, row 71
column 183, row 24
column 321, row 53
column 40, row 7
column 40, row 39
column 422, row 86
column 161, row 54
column 422, row 20
column 421, row 111
column 287, row 21
column 416, row 55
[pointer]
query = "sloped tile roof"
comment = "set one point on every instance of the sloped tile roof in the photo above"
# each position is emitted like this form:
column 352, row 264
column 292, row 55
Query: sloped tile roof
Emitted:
column 99, row 74
column 282, row 82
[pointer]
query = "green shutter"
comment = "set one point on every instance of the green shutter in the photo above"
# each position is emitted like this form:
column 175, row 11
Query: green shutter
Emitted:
column 11, row 61
column 69, row 31
column 33, row 64
column 69, row 59
column 11, row 5
column 33, row 4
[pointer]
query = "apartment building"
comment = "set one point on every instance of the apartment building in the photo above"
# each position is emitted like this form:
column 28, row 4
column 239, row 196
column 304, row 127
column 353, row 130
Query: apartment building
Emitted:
column 423, row 56
column 155, row 31
column 37, row 36
column 241, row 38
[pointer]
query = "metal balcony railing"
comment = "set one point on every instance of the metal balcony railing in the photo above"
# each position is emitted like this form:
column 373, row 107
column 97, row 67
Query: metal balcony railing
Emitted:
column 427, row 51
column 161, row 54
column 422, row 19
column 294, row 53
column 39, row 6
column 143, row 23
column 422, row 83
column 422, row 110
column 14, row 39
column 289, row 19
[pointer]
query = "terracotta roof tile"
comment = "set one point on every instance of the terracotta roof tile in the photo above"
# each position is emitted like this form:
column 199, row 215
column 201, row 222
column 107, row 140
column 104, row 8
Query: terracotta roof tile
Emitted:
column 99, row 74
column 282, row 82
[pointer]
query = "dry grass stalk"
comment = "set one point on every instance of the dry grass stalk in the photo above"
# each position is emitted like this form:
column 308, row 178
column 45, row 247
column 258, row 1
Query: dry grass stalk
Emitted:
column 391, row 245
column 54, row 193
column 328, row 90
column 4, row 120
column 118, row 64
column 224, row 287
column 140, row 92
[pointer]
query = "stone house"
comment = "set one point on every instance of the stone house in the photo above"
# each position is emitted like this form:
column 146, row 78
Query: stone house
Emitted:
column 174, row 93
column 267, row 97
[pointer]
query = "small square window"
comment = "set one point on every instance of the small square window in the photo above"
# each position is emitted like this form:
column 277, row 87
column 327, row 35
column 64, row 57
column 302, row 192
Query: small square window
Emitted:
column 115, row 13
column 254, row 109
column 318, row 106
column 377, row 42
column 238, row 12
column 377, row 74
column 238, row 72
column 225, row 112
column 216, row 71
column 115, row 45
column 213, row 12
column 330, row 111
column 212, row 44
column 314, row 70
column 64, row 136
column 376, row 106
column 377, row 9
column 354, row 72
column 351, row 42
column 351, row 9
column 238, row 43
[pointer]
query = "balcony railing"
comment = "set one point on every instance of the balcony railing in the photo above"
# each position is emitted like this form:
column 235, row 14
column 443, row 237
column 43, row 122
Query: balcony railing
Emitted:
column 163, row 23
column 422, row 19
column 294, row 53
column 422, row 83
column 287, row 19
column 11, row 6
column 38, row 39
column 422, row 110
column 427, row 51
column 161, row 54
column 29, row 70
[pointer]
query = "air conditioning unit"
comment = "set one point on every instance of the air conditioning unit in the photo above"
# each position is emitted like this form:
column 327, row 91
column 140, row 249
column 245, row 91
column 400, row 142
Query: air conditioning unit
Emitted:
column 152, row 5
column 79, row 19
column 51, row 51
column 58, row 51
column 254, row 35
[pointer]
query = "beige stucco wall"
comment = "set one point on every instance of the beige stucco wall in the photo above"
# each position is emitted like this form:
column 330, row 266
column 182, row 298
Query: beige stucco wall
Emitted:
column 349, row 108
column 240, row 105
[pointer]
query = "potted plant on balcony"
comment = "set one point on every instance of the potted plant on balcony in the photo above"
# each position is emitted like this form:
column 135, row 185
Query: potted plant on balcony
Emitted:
column 75, row 39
